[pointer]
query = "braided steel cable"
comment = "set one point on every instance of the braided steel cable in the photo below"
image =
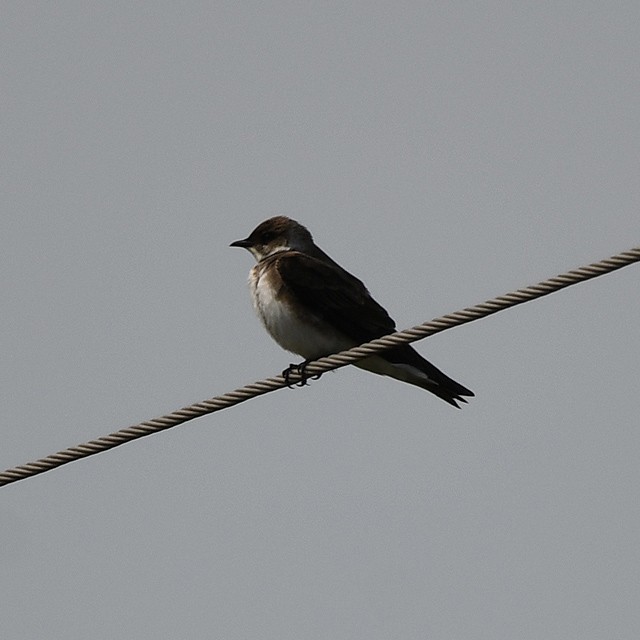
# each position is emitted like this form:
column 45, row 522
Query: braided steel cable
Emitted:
column 321, row 365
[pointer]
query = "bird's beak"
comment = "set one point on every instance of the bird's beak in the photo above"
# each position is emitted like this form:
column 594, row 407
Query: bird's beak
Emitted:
column 245, row 244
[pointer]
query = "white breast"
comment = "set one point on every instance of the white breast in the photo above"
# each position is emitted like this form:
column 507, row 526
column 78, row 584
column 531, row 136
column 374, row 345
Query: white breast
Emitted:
column 308, row 339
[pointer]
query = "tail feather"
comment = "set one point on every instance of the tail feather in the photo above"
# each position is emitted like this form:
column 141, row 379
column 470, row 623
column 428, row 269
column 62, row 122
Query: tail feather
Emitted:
column 432, row 379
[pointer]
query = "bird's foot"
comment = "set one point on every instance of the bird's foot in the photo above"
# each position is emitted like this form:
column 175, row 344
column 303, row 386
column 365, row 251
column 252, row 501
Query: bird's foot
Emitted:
column 299, row 369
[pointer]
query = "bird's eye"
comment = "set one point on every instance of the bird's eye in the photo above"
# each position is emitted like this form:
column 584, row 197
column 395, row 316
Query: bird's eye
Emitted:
column 267, row 237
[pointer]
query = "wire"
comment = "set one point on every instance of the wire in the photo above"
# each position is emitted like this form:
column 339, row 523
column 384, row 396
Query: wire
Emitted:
column 335, row 361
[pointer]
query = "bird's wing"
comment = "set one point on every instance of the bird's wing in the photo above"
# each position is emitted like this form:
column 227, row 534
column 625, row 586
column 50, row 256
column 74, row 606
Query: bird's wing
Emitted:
column 335, row 296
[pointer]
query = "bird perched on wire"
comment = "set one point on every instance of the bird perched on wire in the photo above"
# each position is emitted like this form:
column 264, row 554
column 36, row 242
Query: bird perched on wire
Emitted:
column 313, row 307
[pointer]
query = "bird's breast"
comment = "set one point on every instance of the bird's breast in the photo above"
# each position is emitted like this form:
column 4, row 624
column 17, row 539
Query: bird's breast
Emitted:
column 289, row 324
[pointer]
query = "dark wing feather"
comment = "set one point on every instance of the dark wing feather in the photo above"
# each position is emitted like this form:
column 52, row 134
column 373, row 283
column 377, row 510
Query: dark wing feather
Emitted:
column 335, row 296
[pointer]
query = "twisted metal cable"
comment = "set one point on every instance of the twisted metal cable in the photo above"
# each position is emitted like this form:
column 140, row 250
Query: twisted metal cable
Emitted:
column 320, row 366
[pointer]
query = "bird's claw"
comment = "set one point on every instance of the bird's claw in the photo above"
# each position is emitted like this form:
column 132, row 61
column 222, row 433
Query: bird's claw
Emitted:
column 299, row 369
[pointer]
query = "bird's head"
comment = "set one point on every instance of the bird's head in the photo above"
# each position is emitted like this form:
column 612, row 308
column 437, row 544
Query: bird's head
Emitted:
column 275, row 235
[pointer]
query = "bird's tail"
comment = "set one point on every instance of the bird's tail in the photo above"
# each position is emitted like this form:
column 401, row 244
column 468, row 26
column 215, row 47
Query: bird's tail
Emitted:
column 406, row 364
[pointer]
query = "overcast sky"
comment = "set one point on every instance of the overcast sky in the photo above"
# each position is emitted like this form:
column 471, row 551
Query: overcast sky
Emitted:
column 445, row 153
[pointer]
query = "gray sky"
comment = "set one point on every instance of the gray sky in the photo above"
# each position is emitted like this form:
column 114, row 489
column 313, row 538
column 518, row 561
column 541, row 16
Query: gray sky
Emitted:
column 443, row 152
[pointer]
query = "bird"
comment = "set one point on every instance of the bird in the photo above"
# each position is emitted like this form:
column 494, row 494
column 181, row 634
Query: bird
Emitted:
column 313, row 307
